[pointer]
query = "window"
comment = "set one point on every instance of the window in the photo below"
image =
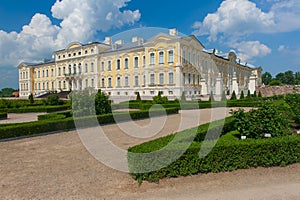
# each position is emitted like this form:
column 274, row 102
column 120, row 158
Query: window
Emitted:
column 86, row 68
column 161, row 57
column 184, row 57
column 161, row 79
column 70, row 69
column 47, row 73
column 109, row 66
column 64, row 83
column 189, row 78
column 102, row 66
column 118, row 64
column 103, row 83
column 59, row 71
column 109, row 83
column 136, row 81
column 69, row 55
column 126, row 81
column 74, row 69
column 171, row 78
column 43, row 73
column 189, row 58
column 92, row 51
column 184, row 78
column 93, row 83
column 144, row 61
column 144, row 80
column 86, row 52
column 126, row 63
column 79, row 53
column 152, row 58
column 79, row 68
column 64, row 70
column 92, row 67
column 194, row 79
column 39, row 73
column 152, row 79
column 74, row 54
column 171, row 56
column 199, row 79
column 118, row 81
column 136, row 62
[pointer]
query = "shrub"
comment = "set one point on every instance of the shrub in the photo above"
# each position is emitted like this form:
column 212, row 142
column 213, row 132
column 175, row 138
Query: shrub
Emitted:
column 159, row 99
column 275, row 82
column 3, row 116
column 211, row 97
column 254, row 95
column 259, row 94
column 248, row 95
column 242, row 95
column 266, row 120
column 293, row 100
column 53, row 100
column 223, row 98
column 138, row 96
column 31, row 100
column 102, row 103
column 233, row 96
column 229, row 154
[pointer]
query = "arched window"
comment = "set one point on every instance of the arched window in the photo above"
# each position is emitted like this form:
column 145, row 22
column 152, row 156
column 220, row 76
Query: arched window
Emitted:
column 152, row 59
column 161, row 57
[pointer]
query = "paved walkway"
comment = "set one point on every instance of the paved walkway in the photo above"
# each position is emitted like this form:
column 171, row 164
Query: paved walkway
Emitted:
column 58, row 166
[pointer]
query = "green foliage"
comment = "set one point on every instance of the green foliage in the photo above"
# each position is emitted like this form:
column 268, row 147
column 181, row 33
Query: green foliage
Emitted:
column 53, row 100
column 55, row 116
column 3, row 115
column 102, row 103
column 248, row 95
column 254, row 95
column 138, row 96
column 242, row 96
column 233, row 96
column 259, row 94
column 36, row 109
column 293, row 100
column 228, row 154
column 50, row 125
column 223, row 98
column 211, row 97
column 30, row 97
column 159, row 99
column 266, row 78
column 275, row 82
column 266, row 120
column 7, row 92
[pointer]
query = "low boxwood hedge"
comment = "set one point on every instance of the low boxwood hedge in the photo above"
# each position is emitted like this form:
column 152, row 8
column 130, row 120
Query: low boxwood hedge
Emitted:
column 55, row 116
column 36, row 109
column 227, row 155
column 51, row 125
column 3, row 116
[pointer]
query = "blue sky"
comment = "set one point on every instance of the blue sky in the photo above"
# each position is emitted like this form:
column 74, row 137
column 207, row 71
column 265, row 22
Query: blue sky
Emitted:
column 262, row 32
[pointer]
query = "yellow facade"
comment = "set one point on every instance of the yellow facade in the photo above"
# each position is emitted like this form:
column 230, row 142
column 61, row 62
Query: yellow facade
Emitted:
column 165, row 63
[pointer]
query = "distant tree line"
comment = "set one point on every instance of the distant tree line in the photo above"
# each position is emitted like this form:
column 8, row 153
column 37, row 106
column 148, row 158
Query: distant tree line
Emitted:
column 7, row 92
column 287, row 78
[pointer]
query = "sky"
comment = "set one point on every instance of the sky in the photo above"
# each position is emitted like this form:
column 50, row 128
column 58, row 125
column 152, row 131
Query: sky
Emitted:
column 262, row 32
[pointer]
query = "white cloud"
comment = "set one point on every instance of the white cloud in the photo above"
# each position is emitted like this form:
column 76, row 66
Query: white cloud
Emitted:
column 80, row 21
column 251, row 49
column 281, row 48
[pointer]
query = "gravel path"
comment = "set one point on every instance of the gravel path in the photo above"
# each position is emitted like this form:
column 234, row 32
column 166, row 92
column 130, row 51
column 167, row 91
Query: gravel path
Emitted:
column 58, row 166
column 20, row 118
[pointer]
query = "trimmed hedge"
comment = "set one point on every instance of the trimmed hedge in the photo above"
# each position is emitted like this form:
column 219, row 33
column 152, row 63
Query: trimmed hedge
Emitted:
column 51, row 125
column 229, row 154
column 55, row 116
column 3, row 116
column 36, row 109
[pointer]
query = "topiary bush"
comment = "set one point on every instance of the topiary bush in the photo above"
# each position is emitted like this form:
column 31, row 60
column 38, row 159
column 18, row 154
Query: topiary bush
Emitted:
column 233, row 96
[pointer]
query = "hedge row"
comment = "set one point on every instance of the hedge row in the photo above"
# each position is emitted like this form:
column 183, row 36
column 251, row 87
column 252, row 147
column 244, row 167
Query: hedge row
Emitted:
column 45, row 126
column 35, row 109
column 228, row 154
column 55, row 116
column 3, row 115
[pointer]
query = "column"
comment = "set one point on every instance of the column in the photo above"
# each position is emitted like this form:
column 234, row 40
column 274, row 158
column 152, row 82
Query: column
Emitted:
column 252, row 83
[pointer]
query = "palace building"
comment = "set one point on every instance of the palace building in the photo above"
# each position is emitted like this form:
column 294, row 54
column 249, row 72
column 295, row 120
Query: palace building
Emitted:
column 166, row 63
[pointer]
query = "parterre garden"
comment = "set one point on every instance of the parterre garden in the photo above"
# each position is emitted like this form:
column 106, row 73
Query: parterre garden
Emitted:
column 263, row 137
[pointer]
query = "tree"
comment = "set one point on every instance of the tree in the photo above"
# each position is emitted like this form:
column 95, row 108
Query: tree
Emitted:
column 242, row 95
column 275, row 82
column 7, row 92
column 233, row 95
column 248, row 95
column 286, row 77
column 30, row 97
column 138, row 96
column 266, row 78
column 53, row 100
column 297, row 78
column 211, row 97
column 255, row 95
column 223, row 98
column 259, row 94
column 102, row 103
